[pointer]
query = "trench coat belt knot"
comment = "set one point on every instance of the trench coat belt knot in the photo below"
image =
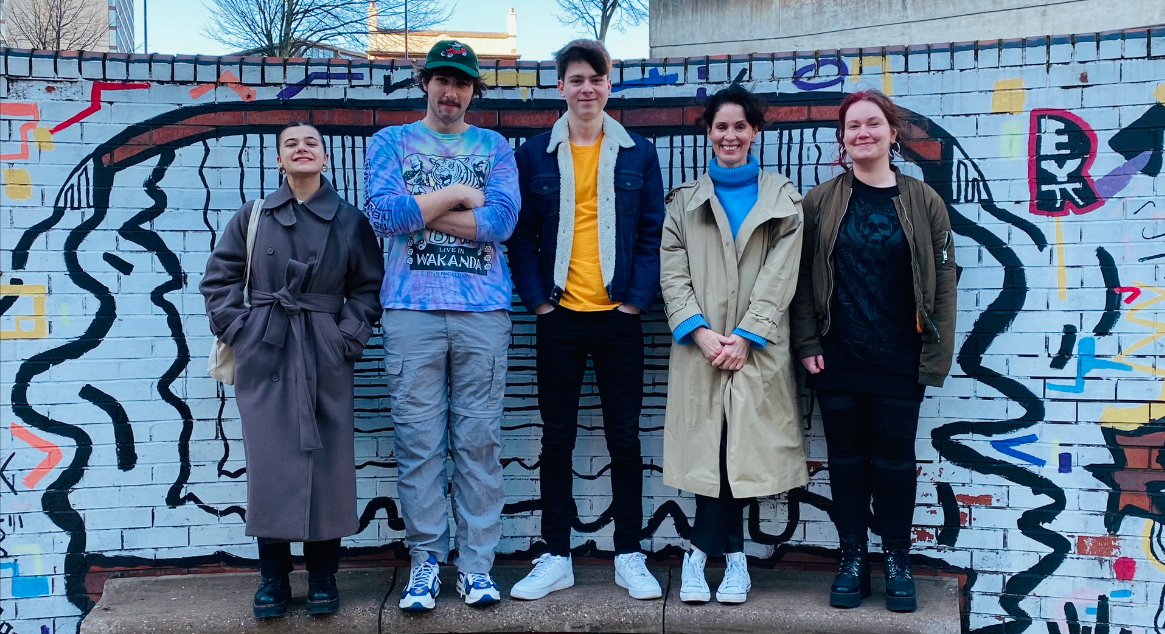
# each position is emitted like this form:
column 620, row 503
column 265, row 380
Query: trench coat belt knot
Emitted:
column 289, row 307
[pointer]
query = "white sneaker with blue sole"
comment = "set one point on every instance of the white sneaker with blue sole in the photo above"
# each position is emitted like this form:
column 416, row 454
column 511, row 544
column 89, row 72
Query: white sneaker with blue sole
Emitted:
column 478, row 588
column 420, row 594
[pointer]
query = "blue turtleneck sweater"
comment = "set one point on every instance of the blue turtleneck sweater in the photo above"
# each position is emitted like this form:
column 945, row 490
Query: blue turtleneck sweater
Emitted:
column 736, row 188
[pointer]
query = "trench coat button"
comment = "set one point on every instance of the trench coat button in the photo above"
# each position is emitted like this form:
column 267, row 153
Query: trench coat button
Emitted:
column 270, row 250
column 311, row 258
column 275, row 377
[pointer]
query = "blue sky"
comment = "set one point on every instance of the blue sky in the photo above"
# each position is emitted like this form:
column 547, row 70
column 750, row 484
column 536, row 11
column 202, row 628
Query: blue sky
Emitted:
column 176, row 27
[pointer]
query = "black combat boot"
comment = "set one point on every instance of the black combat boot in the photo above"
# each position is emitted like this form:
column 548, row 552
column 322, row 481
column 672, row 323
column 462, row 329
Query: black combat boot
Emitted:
column 272, row 597
column 323, row 597
column 852, row 583
column 900, row 595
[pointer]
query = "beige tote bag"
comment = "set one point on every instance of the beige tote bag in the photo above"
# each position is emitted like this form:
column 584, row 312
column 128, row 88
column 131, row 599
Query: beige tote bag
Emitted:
column 221, row 363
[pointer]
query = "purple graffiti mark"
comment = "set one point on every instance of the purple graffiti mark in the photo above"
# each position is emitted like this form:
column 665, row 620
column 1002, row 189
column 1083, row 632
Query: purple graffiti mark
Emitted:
column 294, row 89
column 814, row 70
column 654, row 78
column 702, row 72
column 1007, row 447
column 701, row 95
column 1086, row 362
column 1113, row 182
column 1065, row 462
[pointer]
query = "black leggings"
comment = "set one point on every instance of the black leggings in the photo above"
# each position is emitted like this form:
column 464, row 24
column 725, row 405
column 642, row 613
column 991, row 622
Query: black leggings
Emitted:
column 870, row 441
column 719, row 524
column 275, row 557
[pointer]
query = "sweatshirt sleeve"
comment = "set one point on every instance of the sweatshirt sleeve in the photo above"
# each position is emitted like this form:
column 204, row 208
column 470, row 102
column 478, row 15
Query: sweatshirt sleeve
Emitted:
column 390, row 208
column 496, row 219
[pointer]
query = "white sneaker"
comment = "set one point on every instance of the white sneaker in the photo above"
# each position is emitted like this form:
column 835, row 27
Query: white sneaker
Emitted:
column 478, row 588
column 631, row 573
column 694, row 588
column 736, row 584
column 424, row 585
column 550, row 573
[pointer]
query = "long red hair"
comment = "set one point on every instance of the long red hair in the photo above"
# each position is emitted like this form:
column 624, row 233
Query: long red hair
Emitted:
column 892, row 113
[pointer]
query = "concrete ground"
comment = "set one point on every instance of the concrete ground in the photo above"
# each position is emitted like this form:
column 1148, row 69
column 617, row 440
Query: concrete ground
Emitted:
column 780, row 601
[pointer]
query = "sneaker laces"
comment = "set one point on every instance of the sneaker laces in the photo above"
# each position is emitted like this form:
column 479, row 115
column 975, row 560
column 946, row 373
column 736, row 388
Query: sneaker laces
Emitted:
column 636, row 565
column 479, row 580
column 421, row 577
column 736, row 574
column 542, row 566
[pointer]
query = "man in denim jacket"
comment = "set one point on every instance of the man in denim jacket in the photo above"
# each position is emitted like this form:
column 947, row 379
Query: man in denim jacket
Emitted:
column 585, row 258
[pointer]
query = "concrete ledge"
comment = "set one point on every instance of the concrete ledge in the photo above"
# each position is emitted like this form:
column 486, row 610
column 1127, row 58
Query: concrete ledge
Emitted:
column 781, row 601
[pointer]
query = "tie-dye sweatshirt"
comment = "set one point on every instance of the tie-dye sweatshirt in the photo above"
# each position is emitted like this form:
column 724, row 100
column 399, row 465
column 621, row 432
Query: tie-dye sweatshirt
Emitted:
column 426, row 269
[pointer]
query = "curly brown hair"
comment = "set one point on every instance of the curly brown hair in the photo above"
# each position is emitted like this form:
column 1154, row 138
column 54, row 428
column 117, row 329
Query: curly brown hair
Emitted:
column 422, row 76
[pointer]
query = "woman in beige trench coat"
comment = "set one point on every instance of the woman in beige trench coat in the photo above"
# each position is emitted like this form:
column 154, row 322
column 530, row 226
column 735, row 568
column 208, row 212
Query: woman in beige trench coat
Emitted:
column 729, row 260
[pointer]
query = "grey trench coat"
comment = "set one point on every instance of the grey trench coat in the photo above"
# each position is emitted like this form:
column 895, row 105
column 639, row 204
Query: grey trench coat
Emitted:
column 312, row 311
column 744, row 282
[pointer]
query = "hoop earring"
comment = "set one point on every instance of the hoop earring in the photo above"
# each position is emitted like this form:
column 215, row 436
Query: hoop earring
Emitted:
column 896, row 148
column 325, row 168
column 282, row 171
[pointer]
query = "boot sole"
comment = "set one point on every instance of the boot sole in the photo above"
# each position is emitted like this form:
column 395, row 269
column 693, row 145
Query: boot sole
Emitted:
column 901, row 604
column 650, row 594
column 270, row 611
column 558, row 585
column 696, row 597
column 323, row 607
column 731, row 598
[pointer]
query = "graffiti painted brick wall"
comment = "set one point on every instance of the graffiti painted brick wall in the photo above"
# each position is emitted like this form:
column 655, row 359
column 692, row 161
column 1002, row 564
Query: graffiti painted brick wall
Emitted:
column 1040, row 460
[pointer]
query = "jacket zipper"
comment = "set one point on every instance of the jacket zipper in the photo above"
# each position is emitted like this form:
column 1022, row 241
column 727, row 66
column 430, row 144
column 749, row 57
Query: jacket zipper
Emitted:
column 829, row 260
column 914, row 268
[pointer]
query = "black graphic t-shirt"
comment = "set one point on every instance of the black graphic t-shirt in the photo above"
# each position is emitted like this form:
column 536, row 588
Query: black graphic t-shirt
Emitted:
column 873, row 344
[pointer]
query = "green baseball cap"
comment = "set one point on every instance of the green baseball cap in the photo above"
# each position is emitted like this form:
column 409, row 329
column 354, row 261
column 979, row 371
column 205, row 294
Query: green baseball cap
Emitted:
column 453, row 54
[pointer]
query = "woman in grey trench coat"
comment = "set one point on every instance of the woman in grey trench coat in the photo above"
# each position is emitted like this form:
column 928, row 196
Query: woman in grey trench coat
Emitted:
column 316, row 272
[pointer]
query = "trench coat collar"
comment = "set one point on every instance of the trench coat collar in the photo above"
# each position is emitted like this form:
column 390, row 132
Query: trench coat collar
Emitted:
column 770, row 204
column 323, row 203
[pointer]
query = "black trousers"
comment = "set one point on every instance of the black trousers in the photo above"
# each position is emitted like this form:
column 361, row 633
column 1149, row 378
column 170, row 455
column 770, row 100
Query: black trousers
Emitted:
column 719, row 524
column 614, row 341
column 870, row 442
column 275, row 557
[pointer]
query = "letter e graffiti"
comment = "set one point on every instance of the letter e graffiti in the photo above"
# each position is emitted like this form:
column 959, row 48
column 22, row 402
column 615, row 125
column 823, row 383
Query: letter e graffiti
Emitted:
column 1061, row 148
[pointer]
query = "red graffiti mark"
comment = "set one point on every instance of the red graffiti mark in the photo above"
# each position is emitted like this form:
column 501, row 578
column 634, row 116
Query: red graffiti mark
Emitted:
column 1124, row 568
column 1061, row 149
column 981, row 500
column 1103, row 546
column 95, row 101
column 1133, row 292
column 52, row 454
column 228, row 79
column 923, row 535
column 815, row 467
column 20, row 110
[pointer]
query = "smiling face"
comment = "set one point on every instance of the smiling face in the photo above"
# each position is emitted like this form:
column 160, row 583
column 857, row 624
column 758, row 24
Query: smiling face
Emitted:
column 585, row 90
column 867, row 134
column 731, row 135
column 448, row 96
column 301, row 151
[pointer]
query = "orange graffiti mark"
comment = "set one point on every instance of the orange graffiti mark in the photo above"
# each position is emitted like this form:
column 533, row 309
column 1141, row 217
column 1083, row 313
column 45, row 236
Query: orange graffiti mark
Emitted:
column 981, row 500
column 52, row 454
column 20, row 110
column 1100, row 546
column 228, row 79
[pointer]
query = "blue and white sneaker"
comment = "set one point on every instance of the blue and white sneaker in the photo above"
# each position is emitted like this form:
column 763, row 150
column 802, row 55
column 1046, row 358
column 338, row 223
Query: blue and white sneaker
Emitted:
column 424, row 585
column 478, row 588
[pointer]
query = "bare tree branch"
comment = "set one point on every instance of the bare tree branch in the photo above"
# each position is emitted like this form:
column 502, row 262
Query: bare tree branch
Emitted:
column 57, row 24
column 288, row 28
column 598, row 16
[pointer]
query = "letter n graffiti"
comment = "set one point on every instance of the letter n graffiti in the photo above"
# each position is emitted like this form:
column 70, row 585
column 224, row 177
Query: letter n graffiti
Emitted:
column 1061, row 149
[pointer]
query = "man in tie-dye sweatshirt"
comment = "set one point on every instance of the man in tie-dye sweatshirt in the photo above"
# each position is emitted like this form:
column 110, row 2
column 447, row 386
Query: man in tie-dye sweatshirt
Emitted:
column 443, row 194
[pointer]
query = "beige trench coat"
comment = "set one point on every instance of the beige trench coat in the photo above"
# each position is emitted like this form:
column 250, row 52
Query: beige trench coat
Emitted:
column 744, row 283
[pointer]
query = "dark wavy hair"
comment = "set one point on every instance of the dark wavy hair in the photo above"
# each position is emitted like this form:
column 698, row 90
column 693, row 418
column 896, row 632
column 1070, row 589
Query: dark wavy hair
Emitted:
column 893, row 114
column 422, row 76
column 754, row 106
column 590, row 51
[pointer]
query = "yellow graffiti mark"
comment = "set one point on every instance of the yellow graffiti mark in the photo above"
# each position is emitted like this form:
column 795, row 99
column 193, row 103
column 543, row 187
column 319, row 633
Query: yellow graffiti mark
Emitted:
column 528, row 78
column 882, row 62
column 1147, row 546
column 42, row 137
column 1129, row 418
column 32, row 326
column 1008, row 96
column 1159, row 93
column 17, row 183
column 1061, row 271
column 490, row 77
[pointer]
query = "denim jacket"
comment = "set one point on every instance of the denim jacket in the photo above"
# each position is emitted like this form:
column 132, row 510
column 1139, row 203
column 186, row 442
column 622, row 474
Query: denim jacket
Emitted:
column 630, row 208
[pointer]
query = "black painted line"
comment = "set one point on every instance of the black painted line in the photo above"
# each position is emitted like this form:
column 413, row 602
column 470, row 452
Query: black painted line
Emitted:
column 123, row 267
column 127, row 455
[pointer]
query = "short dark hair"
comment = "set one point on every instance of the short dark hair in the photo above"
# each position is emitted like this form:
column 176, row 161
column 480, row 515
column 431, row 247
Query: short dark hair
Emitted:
column 422, row 76
column 590, row 51
column 296, row 124
column 754, row 106
column 895, row 118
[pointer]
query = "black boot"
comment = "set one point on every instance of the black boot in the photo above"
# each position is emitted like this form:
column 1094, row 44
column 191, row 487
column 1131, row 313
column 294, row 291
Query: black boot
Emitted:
column 900, row 595
column 852, row 583
column 323, row 597
column 272, row 597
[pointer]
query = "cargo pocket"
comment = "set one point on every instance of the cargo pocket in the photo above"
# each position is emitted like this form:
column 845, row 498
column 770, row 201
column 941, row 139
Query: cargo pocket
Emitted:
column 497, row 388
column 393, row 368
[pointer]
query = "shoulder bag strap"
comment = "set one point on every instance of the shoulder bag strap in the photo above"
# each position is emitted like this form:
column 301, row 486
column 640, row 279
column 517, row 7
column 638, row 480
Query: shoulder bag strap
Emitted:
column 252, row 231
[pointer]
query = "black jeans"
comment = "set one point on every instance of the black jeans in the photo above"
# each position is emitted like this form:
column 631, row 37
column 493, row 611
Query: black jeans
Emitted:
column 870, row 442
column 275, row 557
column 614, row 341
column 719, row 524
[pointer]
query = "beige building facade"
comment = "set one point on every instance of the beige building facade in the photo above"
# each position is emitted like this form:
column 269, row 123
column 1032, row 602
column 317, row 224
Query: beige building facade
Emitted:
column 682, row 28
column 92, row 25
column 384, row 44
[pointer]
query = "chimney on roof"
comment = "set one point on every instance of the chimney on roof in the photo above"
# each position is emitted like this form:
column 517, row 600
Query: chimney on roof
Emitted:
column 512, row 23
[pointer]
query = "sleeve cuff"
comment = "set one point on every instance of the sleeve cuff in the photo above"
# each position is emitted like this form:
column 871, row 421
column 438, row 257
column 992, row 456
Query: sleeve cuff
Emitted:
column 683, row 332
column 757, row 341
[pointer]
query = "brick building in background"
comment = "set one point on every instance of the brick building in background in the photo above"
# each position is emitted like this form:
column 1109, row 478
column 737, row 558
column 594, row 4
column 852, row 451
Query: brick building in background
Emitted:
column 92, row 25
column 391, row 44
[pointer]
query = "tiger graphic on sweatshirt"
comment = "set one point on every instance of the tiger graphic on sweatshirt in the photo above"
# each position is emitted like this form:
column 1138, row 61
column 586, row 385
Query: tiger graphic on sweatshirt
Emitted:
column 430, row 250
